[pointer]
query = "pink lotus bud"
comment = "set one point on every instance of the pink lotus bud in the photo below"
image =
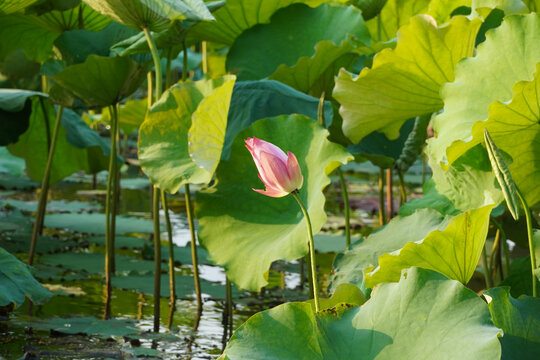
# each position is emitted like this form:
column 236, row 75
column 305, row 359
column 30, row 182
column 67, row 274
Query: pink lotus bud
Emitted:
column 280, row 173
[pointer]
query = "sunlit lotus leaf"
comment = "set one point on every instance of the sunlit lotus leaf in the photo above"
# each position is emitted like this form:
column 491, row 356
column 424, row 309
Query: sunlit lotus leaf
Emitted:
column 245, row 231
column 520, row 321
column 154, row 15
column 404, row 82
column 480, row 81
column 131, row 114
column 164, row 135
column 239, row 15
column 400, row 321
column 349, row 265
column 482, row 8
column 101, row 81
column 259, row 51
column 16, row 282
column 454, row 251
column 430, row 199
column 11, row 6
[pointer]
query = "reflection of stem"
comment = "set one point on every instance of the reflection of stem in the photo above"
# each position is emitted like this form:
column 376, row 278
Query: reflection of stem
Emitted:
column 172, row 287
column 40, row 215
column 194, row 257
column 172, row 308
column 311, row 250
column 504, row 247
column 381, row 197
column 487, row 271
column 107, row 311
column 346, row 206
column 530, row 236
column 228, row 287
column 389, row 194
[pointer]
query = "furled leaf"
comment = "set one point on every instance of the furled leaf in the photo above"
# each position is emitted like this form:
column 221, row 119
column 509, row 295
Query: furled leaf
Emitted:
column 16, row 282
column 480, row 81
column 101, row 81
column 400, row 321
column 454, row 251
column 520, row 321
column 261, row 50
column 152, row 14
column 349, row 265
column 404, row 82
column 164, row 135
column 245, row 231
column 239, row 15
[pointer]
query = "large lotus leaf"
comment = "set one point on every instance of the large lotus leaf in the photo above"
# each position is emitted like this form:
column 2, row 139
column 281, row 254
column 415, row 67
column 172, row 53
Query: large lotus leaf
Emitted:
column 430, row 199
column 515, row 129
column 483, row 8
column 254, row 100
column 163, row 136
column 15, row 111
column 131, row 115
column 19, row 31
column 245, row 231
column 17, row 67
column 349, row 266
column 404, row 82
column 480, row 81
column 154, row 15
column 11, row 6
column 454, row 251
column 259, row 51
column 101, row 81
column 78, row 17
column 16, row 282
column 520, row 321
column 400, row 321
column 239, row 15
column 33, row 146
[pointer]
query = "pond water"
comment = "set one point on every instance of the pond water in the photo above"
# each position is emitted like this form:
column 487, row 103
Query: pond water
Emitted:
column 70, row 263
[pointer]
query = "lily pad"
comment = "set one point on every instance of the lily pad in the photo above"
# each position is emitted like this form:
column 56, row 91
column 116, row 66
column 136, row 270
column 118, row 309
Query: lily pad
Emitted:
column 400, row 321
column 85, row 326
column 53, row 205
column 245, row 231
column 95, row 223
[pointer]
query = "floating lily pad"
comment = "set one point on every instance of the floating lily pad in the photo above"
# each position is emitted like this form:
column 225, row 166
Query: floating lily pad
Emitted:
column 95, row 223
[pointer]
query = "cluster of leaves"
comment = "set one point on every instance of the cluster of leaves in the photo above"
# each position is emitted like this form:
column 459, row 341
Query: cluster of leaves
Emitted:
column 463, row 66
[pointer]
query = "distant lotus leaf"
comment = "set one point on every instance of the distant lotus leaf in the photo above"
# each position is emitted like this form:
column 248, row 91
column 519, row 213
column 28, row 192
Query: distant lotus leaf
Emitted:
column 430, row 199
column 16, row 282
column 245, row 231
column 423, row 60
column 400, row 321
column 155, row 15
column 131, row 115
column 480, row 81
column 239, row 15
column 101, row 81
column 520, row 321
column 164, row 149
column 453, row 251
column 259, row 51
column 11, row 6
column 349, row 265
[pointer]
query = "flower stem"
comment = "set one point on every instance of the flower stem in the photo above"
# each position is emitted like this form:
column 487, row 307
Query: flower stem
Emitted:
column 311, row 250
column 172, row 282
column 346, row 206
column 487, row 270
column 530, row 236
column 381, row 197
column 194, row 256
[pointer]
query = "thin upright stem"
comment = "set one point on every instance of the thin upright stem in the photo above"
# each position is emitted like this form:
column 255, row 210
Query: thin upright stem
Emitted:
column 504, row 246
column 381, row 197
column 185, row 62
column 116, row 186
column 157, row 257
column 346, row 206
column 531, row 241
column 311, row 250
column 42, row 204
column 157, row 62
column 389, row 194
column 172, row 285
column 194, row 256
column 487, row 270
column 204, row 57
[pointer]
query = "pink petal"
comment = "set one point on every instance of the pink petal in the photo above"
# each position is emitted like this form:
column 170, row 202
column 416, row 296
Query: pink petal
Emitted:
column 272, row 192
column 295, row 173
column 275, row 172
column 256, row 145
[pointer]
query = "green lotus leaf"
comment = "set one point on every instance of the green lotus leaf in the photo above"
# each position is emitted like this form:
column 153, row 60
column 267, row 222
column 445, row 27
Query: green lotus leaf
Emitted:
column 154, row 15
column 15, row 111
column 345, row 294
column 95, row 223
column 454, row 251
column 16, row 66
column 480, row 81
column 16, row 282
column 163, row 136
column 370, row 8
column 520, row 321
column 245, row 231
column 349, row 265
column 254, row 100
column 259, row 51
column 400, row 321
column 101, row 81
column 483, row 8
column 239, row 15
column 131, row 115
column 78, row 17
column 431, row 199
column 11, row 6
column 19, row 31
column 10, row 164
column 423, row 60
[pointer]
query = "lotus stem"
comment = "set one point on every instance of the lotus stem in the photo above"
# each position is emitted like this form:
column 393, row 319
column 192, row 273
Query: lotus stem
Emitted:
column 115, row 187
column 346, row 207
column 487, row 270
column 42, row 203
column 185, row 62
column 172, row 282
column 402, row 190
column 381, row 197
column 504, row 246
column 531, row 241
column 389, row 194
column 204, row 57
column 194, row 256
column 311, row 250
